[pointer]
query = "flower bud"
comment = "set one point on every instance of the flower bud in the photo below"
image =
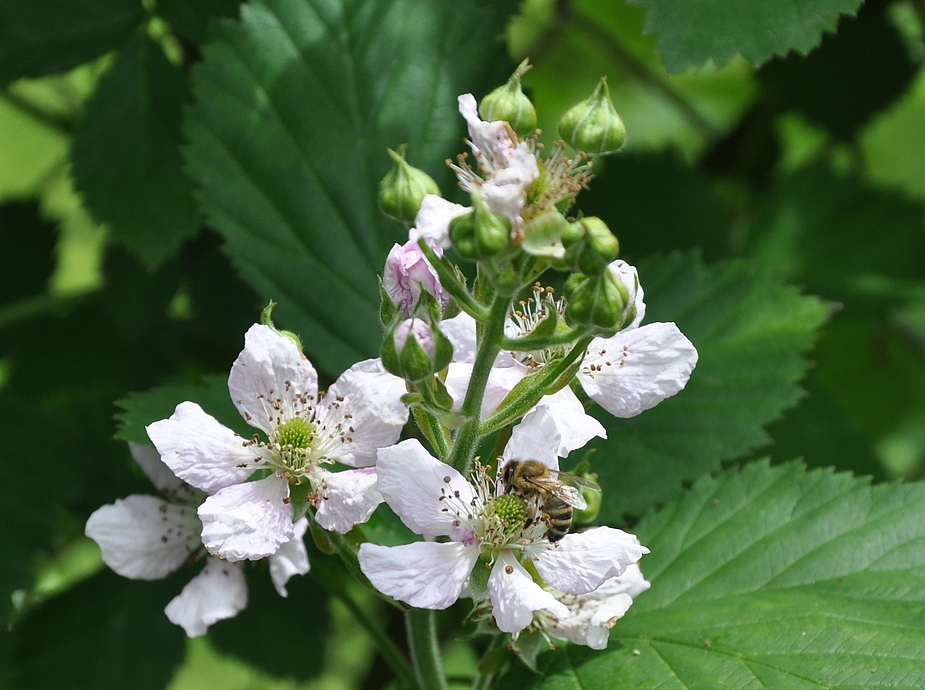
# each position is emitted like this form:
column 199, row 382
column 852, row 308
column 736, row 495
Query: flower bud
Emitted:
column 543, row 235
column 404, row 187
column 636, row 306
column 599, row 301
column 414, row 350
column 593, row 125
column 407, row 273
column 509, row 103
column 600, row 246
column 480, row 234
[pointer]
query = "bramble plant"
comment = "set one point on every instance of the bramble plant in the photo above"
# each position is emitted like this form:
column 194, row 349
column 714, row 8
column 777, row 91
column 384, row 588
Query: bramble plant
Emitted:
column 452, row 372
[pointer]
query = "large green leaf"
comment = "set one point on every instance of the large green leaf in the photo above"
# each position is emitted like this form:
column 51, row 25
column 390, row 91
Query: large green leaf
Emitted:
column 296, row 104
column 750, row 332
column 690, row 32
column 44, row 36
column 126, row 154
column 770, row 578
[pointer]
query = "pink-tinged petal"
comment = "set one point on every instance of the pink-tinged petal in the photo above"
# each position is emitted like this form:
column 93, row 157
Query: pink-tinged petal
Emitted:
column 407, row 272
column 201, row 451
column 630, row 278
column 575, row 426
column 536, row 438
column 501, row 380
column 291, row 559
column 217, row 593
column 491, row 142
column 149, row 460
column 460, row 331
column 428, row 575
column 271, row 381
column 582, row 562
column 144, row 537
column 638, row 368
column 247, row 521
column 347, row 498
column 415, row 484
column 361, row 413
column 433, row 220
column 515, row 596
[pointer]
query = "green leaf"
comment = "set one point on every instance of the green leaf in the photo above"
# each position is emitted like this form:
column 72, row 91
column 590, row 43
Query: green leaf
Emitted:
column 141, row 409
column 41, row 37
column 750, row 332
column 296, row 106
column 191, row 19
column 768, row 578
column 26, row 251
column 127, row 163
column 107, row 633
column 690, row 32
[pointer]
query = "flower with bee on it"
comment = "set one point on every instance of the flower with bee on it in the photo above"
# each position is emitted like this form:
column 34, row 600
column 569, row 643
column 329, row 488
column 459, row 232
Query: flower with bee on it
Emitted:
column 493, row 545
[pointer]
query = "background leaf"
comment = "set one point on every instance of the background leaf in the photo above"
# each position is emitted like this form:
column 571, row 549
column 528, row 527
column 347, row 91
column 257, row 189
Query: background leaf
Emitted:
column 751, row 333
column 769, row 578
column 295, row 106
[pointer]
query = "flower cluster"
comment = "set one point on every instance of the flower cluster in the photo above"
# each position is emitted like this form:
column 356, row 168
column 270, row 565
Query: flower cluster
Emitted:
column 504, row 354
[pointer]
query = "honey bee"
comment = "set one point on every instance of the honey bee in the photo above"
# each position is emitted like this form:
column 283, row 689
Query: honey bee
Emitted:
column 553, row 492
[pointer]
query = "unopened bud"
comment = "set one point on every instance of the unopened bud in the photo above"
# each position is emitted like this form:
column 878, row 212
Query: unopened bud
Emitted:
column 414, row 350
column 404, row 187
column 599, row 301
column 593, row 125
column 600, row 247
column 509, row 103
column 480, row 234
column 407, row 274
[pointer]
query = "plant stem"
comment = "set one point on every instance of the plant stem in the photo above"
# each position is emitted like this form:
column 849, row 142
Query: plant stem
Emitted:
column 425, row 651
column 489, row 345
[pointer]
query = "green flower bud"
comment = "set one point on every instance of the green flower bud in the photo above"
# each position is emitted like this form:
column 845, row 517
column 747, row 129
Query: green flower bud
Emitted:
column 593, row 125
column 543, row 235
column 462, row 235
column 593, row 497
column 600, row 246
column 598, row 300
column 509, row 103
column 404, row 187
column 480, row 234
column 415, row 350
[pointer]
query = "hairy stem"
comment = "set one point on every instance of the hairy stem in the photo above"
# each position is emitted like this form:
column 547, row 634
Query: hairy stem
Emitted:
column 425, row 650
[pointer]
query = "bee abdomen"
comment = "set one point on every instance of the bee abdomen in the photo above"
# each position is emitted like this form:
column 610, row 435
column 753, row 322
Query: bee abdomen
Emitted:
column 558, row 516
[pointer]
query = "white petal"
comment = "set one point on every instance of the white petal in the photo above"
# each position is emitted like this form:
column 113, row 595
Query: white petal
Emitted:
column 630, row 278
column 575, row 426
column 347, row 498
column 515, row 596
column 413, row 483
column 491, row 142
column 144, row 537
column 637, row 368
column 582, row 562
column 460, row 331
column 201, row 451
column 428, row 575
column 363, row 408
column 536, row 438
column 217, row 593
column 500, row 382
column 433, row 220
column 271, row 381
column 247, row 521
column 291, row 559
column 149, row 460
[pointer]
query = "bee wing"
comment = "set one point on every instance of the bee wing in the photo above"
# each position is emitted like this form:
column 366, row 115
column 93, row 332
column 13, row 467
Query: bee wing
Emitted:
column 569, row 495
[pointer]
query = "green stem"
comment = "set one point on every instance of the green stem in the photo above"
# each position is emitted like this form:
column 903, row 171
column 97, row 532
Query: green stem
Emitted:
column 489, row 346
column 425, row 650
column 483, row 678
column 432, row 429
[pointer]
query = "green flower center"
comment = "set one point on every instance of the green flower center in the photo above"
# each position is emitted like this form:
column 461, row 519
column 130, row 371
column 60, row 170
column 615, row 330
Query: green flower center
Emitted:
column 295, row 433
column 511, row 509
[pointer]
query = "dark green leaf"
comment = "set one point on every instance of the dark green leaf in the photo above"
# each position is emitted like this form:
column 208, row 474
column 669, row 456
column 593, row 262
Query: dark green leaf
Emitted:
column 690, row 32
column 126, row 153
column 296, row 104
column 839, row 86
column 769, row 578
column 107, row 633
column 46, row 36
column 26, row 252
column 191, row 19
column 750, row 332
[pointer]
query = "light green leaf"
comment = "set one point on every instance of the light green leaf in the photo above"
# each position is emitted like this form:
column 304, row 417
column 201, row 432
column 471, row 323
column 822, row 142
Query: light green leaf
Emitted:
column 127, row 163
column 751, row 333
column 773, row 579
column 41, row 37
column 296, row 106
column 691, row 32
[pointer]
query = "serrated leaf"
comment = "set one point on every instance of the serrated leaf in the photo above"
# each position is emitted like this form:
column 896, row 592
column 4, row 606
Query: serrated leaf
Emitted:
column 691, row 32
column 41, row 37
column 750, row 332
column 107, row 633
column 141, row 409
column 127, row 164
column 770, row 578
column 296, row 104
column 191, row 19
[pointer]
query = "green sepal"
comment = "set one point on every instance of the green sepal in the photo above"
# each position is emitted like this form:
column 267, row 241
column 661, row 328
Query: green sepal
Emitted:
column 593, row 125
column 266, row 319
column 416, row 364
column 509, row 103
column 387, row 308
column 478, row 580
column 404, row 187
column 597, row 301
column 322, row 538
column 543, row 236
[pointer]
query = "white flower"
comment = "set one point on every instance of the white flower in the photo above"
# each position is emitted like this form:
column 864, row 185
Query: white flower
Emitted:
column 276, row 390
column 485, row 531
column 433, row 220
column 146, row 538
column 592, row 615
